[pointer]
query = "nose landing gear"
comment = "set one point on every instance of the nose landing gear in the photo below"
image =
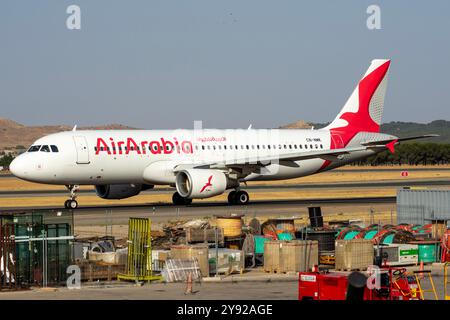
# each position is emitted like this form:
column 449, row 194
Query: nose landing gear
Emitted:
column 72, row 203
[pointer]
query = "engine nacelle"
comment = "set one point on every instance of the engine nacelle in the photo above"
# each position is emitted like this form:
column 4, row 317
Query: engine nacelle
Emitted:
column 120, row 191
column 200, row 183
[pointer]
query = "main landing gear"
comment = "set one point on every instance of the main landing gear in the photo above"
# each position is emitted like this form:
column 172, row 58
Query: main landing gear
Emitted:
column 238, row 197
column 178, row 200
column 72, row 203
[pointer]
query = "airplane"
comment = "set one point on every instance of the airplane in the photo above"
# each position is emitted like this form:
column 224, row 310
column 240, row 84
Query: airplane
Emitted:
column 203, row 163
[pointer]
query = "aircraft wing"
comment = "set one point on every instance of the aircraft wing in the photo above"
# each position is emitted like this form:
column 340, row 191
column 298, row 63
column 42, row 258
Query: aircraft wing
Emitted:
column 381, row 142
column 259, row 161
column 330, row 155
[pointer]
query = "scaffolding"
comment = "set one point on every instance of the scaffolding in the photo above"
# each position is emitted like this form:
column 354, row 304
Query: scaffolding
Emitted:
column 139, row 260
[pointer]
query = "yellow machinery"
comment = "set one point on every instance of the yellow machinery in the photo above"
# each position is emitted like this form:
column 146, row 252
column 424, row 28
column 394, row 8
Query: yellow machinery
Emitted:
column 446, row 281
column 139, row 260
column 419, row 275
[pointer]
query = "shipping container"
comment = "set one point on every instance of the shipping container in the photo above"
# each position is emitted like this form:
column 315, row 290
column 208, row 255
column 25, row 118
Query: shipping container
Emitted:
column 420, row 206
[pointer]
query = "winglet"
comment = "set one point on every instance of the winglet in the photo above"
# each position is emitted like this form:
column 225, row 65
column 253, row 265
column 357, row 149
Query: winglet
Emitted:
column 74, row 128
column 391, row 145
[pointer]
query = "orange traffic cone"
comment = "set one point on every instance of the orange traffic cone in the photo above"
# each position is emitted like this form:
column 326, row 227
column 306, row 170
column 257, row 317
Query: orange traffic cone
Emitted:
column 421, row 269
column 189, row 284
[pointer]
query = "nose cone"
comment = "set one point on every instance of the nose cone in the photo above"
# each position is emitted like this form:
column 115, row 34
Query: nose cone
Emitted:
column 18, row 167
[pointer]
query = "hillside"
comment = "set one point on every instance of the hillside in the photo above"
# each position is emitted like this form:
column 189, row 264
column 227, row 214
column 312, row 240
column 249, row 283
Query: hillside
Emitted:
column 400, row 129
column 14, row 135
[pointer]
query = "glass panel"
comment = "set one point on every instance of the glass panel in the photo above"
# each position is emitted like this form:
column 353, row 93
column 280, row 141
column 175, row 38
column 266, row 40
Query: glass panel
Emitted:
column 34, row 148
column 45, row 149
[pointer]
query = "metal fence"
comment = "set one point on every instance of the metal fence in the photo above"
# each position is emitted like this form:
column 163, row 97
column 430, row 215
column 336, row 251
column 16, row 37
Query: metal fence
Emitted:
column 38, row 247
column 420, row 206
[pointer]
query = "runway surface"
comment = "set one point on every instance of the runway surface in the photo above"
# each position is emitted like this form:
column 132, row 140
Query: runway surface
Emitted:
column 254, row 188
column 119, row 214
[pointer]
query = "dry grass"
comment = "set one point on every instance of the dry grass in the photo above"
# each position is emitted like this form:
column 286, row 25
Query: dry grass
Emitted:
column 89, row 200
column 11, row 183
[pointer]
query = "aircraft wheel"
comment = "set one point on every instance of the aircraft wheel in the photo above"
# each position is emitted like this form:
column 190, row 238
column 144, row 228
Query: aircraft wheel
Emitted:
column 66, row 204
column 232, row 197
column 72, row 204
column 241, row 197
column 179, row 200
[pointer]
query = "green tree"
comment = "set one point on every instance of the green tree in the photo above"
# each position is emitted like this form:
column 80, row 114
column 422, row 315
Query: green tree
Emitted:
column 6, row 160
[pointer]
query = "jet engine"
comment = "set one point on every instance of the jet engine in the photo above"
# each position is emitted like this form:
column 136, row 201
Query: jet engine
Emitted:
column 201, row 183
column 120, row 191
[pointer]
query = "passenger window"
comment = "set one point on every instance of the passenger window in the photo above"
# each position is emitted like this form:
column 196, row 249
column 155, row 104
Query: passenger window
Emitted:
column 34, row 148
column 54, row 148
column 45, row 149
column 300, row 146
column 311, row 146
column 306, row 146
column 321, row 146
column 203, row 147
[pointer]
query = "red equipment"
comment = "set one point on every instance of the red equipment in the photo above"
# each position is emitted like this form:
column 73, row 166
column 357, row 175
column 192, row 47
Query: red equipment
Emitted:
column 395, row 285
column 445, row 247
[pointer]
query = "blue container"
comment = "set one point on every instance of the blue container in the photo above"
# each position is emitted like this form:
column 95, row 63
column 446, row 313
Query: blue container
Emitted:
column 427, row 253
column 285, row 236
column 259, row 244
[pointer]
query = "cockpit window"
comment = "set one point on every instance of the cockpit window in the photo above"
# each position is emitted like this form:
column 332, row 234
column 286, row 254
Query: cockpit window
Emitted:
column 54, row 148
column 34, row 148
column 45, row 149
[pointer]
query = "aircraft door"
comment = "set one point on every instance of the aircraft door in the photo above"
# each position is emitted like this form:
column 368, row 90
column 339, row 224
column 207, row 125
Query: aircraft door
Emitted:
column 82, row 149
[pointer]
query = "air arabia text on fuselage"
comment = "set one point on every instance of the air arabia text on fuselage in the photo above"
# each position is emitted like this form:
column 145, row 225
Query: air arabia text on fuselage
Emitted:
column 161, row 146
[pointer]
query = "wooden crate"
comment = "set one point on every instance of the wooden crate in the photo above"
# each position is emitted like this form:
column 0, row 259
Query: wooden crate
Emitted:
column 299, row 255
column 290, row 256
column 356, row 254
column 98, row 271
column 192, row 251
column 195, row 235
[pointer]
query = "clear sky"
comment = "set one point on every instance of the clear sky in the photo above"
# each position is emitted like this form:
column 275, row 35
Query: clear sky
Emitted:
column 164, row 64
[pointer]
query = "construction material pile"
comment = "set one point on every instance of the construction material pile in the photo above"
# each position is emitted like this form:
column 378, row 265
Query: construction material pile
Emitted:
column 174, row 233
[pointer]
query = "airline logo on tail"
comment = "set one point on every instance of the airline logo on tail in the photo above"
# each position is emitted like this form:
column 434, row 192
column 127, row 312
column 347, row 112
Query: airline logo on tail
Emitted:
column 364, row 108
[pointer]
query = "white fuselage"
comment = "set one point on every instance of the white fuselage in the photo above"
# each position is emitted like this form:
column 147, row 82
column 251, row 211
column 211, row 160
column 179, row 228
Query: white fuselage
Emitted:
column 149, row 156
